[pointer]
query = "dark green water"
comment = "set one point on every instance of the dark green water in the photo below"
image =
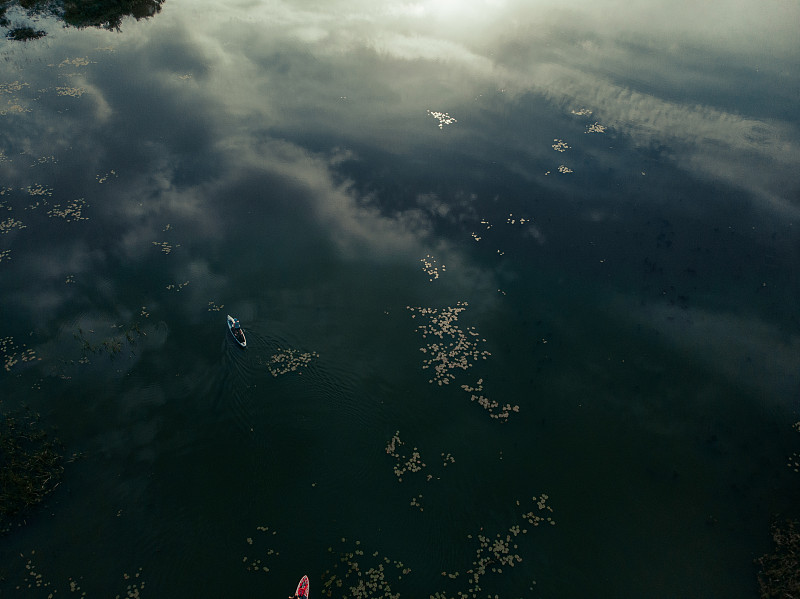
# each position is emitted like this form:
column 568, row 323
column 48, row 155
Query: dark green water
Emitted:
column 603, row 230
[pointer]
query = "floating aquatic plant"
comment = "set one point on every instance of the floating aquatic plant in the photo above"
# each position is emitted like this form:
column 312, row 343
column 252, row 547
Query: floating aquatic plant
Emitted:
column 431, row 267
column 456, row 348
column 10, row 224
column 104, row 178
column 259, row 564
column 34, row 579
column 289, row 360
column 165, row 246
column 794, row 459
column 12, row 87
column 39, row 190
column 71, row 212
column 494, row 408
column 75, row 62
column 442, row 117
column 404, row 461
column 73, row 92
column 494, row 554
column 360, row 576
column 12, row 355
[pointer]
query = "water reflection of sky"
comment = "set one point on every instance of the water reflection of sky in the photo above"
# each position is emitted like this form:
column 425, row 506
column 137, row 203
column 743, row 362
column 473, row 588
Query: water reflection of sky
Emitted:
column 331, row 106
column 601, row 167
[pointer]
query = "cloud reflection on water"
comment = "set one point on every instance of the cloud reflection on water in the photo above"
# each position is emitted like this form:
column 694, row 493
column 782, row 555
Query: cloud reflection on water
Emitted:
column 292, row 94
column 381, row 61
column 754, row 353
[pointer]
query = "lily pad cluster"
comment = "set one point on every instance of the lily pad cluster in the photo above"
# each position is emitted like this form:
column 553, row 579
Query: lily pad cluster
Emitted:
column 263, row 556
column 360, row 575
column 35, row 579
column 494, row 554
column 289, row 360
column 450, row 347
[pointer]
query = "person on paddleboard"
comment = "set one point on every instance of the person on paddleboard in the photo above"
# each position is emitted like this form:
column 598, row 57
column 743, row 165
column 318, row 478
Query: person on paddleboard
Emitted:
column 302, row 589
column 237, row 329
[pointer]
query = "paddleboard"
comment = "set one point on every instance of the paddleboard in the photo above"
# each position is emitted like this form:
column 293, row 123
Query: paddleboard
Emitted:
column 240, row 338
column 302, row 588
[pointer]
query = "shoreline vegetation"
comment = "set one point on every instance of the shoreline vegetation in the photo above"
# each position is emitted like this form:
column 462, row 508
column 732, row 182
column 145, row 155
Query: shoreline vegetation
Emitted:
column 105, row 14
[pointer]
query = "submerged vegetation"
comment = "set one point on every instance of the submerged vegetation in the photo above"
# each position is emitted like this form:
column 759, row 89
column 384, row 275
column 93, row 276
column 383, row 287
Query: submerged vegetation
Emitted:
column 31, row 464
column 114, row 344
column 779, row 577
column 106, row 14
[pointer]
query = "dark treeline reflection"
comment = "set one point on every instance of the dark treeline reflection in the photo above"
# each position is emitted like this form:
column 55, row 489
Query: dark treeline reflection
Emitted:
column 107, row 14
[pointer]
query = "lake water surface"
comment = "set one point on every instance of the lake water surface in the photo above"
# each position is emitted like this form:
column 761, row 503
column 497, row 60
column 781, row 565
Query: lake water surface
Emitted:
column 520, row 283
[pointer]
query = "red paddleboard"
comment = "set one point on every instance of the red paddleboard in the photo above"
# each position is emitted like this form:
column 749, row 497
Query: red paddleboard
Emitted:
column 302, row 588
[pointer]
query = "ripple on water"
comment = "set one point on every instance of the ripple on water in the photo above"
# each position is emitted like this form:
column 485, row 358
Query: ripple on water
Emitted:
column 247, row 383
column 165, row 542
column 238, row 376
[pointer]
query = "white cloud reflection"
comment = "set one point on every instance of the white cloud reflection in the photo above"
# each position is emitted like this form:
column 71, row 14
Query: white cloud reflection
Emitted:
column 610, row 57
column 354, row 223
column 742, row 348
column 253, row 87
